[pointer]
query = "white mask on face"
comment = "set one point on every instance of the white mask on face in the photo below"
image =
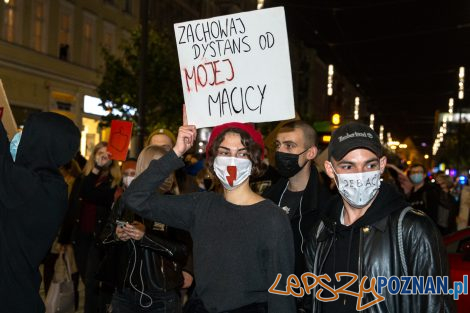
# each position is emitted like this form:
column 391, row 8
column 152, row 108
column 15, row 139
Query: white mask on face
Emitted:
column 358, row 189
column 126, row 180
column 232, row 171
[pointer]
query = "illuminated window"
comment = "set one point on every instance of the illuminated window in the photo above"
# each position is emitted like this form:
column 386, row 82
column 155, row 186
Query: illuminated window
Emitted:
column 88, row 42
column 38, row 25
column 9, row 20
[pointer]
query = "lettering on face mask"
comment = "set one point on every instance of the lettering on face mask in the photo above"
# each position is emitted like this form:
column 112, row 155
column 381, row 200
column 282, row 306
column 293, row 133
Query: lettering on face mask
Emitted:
column 358, row 189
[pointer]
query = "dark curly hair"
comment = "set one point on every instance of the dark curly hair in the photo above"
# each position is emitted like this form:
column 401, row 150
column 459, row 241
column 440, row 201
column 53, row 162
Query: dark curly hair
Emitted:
column 254, row 151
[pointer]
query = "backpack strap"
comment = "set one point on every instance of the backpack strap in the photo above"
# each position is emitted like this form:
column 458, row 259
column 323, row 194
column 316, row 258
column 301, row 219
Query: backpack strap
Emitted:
column 400, row 239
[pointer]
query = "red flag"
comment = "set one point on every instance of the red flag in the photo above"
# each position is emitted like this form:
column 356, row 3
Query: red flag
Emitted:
column 121, row 133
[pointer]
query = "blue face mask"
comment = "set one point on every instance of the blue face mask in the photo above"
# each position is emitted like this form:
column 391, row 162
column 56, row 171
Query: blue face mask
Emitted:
column 417, row 178
column 15, row 142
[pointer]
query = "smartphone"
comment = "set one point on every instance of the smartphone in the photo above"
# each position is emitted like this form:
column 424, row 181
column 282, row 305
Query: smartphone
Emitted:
column 121, row 223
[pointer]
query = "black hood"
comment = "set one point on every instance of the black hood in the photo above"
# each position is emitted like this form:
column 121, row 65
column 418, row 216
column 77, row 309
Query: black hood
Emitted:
column 387, row 201
column 49, row 140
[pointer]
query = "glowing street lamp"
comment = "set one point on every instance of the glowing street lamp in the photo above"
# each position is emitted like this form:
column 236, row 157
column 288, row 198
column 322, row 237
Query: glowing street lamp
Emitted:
column 451, row 108
column 371, row 122
column 461, row 82
column 331, row 71
column 356, row 108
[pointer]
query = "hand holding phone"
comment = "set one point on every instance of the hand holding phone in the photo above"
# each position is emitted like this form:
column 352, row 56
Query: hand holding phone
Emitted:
column 121, row 223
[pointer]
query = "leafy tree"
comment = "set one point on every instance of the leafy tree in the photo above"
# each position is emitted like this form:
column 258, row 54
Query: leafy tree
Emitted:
column 119, row 88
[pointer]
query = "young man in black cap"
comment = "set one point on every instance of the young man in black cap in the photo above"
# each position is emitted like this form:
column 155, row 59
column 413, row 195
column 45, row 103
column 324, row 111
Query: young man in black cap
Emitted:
column 370, row 231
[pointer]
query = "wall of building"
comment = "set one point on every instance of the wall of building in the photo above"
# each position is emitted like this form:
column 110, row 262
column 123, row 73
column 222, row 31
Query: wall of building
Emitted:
column 51, row 52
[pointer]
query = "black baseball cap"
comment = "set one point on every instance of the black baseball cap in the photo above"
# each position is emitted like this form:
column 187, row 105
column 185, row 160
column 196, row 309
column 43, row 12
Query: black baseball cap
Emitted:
column 353, row 136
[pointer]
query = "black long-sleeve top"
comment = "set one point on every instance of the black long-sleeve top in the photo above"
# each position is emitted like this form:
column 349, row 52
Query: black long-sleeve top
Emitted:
column 238, row 250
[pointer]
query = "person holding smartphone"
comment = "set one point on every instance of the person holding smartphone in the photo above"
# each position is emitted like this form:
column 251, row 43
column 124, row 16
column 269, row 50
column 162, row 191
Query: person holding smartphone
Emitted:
column 147, row 262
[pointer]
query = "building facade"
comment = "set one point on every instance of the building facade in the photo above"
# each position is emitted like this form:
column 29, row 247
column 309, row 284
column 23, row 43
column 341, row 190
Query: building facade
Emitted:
column 50, row 55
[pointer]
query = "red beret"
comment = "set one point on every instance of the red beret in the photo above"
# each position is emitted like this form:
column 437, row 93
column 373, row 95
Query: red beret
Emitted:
column 128, row 164
column 248, row 128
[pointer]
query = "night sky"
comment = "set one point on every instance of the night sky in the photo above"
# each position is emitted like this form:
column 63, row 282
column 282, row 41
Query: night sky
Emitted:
column 403, row 54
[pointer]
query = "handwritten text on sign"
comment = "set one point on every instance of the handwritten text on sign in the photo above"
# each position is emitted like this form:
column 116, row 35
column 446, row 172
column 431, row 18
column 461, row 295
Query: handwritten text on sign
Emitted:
column 236, row 68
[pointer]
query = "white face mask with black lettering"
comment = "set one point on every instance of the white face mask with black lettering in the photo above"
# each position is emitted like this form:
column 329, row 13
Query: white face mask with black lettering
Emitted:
column 232, row 171
column 358, row 189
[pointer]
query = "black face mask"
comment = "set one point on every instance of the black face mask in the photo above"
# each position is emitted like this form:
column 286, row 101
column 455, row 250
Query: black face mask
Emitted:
column 288, row 163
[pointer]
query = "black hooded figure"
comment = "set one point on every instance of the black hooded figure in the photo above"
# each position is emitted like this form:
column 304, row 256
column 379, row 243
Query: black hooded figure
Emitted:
column 33, row 201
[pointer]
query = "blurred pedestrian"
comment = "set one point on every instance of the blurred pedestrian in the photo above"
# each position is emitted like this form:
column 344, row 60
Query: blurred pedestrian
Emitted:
column 148, row 258
column 433, row 199
column 101, row 176
column 241, row 240
column 33, row 202
column 128, row 174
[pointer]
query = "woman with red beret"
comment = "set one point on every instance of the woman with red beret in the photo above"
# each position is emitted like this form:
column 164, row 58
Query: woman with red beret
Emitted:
column 241, row 241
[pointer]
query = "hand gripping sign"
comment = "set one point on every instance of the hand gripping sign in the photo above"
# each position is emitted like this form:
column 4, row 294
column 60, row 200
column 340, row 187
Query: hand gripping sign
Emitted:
column 236, row 68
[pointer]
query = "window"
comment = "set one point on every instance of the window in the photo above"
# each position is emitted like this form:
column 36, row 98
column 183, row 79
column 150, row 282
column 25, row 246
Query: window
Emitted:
column 9, row 20
column 88, row 42
column 127, row 6
column 38, row 26
column 109, row 31
column 65, row 34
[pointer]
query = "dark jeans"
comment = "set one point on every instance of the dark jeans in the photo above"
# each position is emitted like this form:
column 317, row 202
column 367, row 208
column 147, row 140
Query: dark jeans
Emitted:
column 129, row 301
column 88, row 257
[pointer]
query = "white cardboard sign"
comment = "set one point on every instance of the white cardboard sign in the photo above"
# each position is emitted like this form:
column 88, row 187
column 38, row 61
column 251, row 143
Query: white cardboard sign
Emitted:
column 6, row 115
column 236, row 68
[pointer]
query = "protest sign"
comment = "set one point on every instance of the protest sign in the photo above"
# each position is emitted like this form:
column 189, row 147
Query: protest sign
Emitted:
column 236, row 68
column 119, row 139
column 6, row 115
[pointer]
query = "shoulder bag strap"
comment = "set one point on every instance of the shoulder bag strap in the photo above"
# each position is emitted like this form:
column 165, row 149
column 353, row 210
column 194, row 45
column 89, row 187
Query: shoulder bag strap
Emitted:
column 400, row 240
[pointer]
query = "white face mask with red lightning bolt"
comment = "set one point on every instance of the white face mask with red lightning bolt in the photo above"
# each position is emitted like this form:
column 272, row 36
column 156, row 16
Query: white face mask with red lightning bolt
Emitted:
column 232, row 171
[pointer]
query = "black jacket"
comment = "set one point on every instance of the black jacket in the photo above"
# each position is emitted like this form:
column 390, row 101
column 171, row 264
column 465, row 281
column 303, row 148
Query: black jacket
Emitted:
column 377, row 250
column 156, row 260
column 33, row 201
column 315, row 197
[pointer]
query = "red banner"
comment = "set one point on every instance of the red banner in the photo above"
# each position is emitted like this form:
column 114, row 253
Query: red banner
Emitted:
column 121, row 134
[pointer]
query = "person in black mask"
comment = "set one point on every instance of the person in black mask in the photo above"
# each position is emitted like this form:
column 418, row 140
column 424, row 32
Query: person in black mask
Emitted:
column 33, row 202
column 300, row 192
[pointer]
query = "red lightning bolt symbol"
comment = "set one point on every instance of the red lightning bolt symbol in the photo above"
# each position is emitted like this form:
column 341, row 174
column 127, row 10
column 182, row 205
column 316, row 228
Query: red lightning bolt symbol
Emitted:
column 232, row 174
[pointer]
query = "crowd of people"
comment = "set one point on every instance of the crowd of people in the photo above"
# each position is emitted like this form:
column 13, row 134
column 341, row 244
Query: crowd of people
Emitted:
column 165, row 233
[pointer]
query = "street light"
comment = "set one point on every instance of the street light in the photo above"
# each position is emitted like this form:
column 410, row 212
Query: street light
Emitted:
column 372, row 119
column 331, row 71
column 461, row 82
column 356, row 108
column 451, row 109
column 336, row 119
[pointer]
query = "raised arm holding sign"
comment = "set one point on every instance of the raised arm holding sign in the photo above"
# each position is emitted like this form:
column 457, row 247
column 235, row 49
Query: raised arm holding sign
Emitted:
column 236, row 68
